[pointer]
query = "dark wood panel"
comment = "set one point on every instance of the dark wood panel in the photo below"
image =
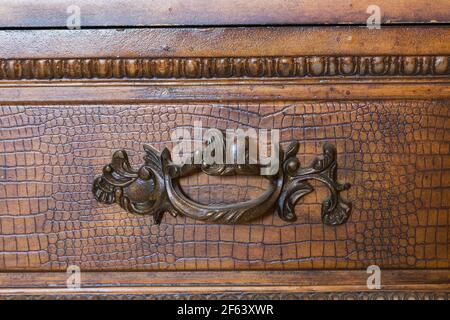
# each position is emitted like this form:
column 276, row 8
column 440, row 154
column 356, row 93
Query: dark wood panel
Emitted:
column 29, row 13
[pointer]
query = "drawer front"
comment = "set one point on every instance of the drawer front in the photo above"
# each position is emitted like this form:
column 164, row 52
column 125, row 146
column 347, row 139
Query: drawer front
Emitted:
column 394, row 153
column 386, row 112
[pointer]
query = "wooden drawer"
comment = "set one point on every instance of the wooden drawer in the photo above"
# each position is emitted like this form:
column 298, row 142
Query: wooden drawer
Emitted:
column 381, row 97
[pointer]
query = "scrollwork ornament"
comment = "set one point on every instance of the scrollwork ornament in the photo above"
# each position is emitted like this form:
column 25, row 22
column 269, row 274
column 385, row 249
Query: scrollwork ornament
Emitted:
column 139, row 191
column 335, row 211
column 154, row 188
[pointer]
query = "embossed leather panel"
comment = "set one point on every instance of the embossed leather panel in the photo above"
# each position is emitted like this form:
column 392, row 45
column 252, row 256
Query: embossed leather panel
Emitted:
column 395, row 153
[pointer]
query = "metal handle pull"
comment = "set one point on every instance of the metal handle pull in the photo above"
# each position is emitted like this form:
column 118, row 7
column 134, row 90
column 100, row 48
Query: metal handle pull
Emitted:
column 154, row 188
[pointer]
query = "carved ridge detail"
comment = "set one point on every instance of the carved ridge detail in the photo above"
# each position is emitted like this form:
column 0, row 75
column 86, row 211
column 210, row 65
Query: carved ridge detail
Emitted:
column 357, row 295
column 222, row 67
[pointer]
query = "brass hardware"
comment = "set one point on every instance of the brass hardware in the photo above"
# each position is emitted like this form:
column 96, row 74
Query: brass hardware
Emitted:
column 154, row 188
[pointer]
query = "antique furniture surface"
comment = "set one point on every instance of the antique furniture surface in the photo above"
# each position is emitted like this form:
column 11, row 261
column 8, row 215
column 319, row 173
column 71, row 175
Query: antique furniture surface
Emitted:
column 375, row 103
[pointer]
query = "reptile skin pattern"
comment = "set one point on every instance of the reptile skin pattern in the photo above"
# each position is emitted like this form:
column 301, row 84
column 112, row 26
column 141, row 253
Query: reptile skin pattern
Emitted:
column 396, row 155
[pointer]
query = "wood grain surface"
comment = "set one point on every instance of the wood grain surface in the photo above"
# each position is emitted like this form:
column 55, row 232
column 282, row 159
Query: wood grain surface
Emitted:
column 301, row 281
column 235, row 285
column 224, row 42
column 120, row 13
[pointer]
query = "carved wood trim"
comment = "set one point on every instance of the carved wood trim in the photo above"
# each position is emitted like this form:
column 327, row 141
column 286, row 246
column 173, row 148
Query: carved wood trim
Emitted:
column 358, row 295
column 294, row 285
column 222, row 67
column 182, row 91
column 292, row 280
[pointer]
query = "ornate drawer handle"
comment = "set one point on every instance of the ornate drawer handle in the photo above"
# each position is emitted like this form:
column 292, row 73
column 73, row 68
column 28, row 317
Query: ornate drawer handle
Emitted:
column 154, row 188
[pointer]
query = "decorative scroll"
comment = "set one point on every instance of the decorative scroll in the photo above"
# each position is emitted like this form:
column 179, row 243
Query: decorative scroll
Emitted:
column 154, row 188
column 335, row 211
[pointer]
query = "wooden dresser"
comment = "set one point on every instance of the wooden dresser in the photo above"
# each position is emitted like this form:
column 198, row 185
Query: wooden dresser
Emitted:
column 366, row 187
